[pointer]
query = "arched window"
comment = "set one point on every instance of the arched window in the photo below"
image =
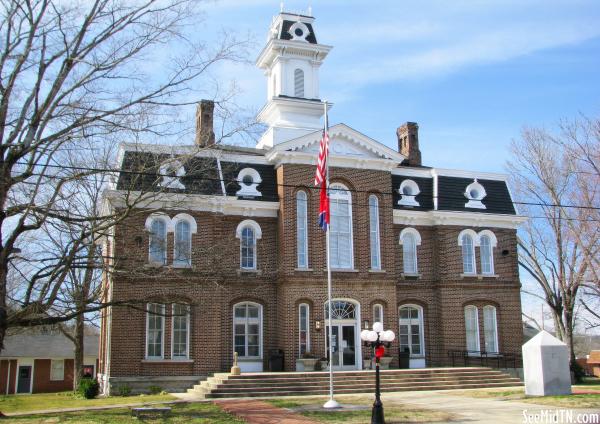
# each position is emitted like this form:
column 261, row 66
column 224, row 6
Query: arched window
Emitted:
column 158, row 241
column 298, row 83
column 467, row 239
column 155, row 334
column 411, row 330
column 301, row 229
column 303, row 328
column 490, row 329
column 340, row 236
column 472, row 329
column 247, row 330
column 180, row 333
column 410, row 239
column 184, row 227
column 374, row 231
column 248, row 232
column 487, row 242
column 377, row 313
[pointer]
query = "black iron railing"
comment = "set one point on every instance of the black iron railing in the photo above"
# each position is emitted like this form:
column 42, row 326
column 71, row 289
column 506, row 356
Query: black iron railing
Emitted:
column 484, row 359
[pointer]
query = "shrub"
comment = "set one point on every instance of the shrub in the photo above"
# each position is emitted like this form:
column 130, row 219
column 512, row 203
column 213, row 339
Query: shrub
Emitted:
column 124, row 390
column 578, row 371
column 88, row 388
column 154, row 390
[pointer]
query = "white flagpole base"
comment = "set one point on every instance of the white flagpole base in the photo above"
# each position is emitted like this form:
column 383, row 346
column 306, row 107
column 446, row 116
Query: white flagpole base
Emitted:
column 331, row 404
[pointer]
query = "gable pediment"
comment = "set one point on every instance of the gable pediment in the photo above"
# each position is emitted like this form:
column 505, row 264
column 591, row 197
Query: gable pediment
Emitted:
column 345, row 142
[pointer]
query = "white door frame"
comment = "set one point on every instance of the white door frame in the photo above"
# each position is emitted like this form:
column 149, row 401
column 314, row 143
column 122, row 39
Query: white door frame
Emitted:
column 341, row 322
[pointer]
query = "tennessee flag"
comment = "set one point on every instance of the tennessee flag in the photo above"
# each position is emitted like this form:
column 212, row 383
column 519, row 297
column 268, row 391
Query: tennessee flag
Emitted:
column 321, row 180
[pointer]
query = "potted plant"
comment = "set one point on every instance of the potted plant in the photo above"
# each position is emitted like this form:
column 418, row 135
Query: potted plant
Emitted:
column 384, row 362
column 309, row 361
column 324, row 364
column 367, row 363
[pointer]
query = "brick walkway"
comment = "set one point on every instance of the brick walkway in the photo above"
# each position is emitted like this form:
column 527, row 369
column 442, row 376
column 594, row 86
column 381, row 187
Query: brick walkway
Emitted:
column 259, row 412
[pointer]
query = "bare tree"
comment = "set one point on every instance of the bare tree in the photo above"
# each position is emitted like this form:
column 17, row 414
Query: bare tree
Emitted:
column 551, row 248
column 74, row 78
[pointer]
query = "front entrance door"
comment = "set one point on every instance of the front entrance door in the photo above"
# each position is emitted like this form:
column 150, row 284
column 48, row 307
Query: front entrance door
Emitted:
column 24, row 379
column 344, row 346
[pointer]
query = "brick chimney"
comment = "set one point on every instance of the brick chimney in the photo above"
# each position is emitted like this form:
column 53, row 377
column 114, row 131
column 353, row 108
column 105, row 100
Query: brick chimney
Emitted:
column 408, row 143
column 205, row 135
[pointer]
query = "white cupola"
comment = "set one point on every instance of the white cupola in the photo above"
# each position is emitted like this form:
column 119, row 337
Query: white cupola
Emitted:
column 291, row 61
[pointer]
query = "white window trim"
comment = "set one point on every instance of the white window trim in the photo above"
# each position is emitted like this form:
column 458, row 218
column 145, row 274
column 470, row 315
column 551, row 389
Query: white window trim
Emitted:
column 260, row 330
column 307, row 327
column 148, row 225
column 495, row 315
column 249, row 190
column 305, row 219
column 476, row 327
column 377, row 248
column 475, row 202
column 62, row 375
column 493, row 244
column 187, row 343
column 421, row 329
column 417, row 236
column 409, row 199
column 168, row 181
column 475, row 239
column 193, row 230
column 333, row 193
column 257, row 236
column 162, row 343
column 380, row 317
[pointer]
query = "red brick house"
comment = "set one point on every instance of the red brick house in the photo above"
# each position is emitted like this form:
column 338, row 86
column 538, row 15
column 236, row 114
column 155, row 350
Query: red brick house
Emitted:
column 227, row 256
column 34, row 362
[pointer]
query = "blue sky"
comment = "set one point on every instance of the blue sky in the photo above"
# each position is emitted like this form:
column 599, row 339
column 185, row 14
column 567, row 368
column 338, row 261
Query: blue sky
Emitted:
column 471, row 73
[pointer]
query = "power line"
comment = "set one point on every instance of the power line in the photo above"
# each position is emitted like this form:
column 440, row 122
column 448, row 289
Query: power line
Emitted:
column 309, row 186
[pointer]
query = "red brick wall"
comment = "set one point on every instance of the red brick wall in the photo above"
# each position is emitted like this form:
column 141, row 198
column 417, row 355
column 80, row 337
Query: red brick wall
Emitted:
column 41, row 377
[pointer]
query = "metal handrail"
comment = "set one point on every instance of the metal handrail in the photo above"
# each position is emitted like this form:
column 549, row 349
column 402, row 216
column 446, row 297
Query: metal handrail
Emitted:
column 507, row 360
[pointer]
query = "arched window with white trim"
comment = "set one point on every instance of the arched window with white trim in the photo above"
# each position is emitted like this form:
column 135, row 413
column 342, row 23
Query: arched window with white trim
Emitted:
column 374, row 232
column 378, row 313
column 157, row 253
column 298, row 82
column 472, row 328
column 184, row 226
column 468, row 239
column 490, row 329
column 247, row 330
column 487, row 242
column 303, row 329
column 302, row 229
column 248, row 232
column 410, row 239
column 411, row 330
column 340, row 235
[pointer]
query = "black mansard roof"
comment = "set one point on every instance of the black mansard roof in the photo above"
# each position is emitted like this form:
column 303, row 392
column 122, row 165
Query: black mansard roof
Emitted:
column 141, row 170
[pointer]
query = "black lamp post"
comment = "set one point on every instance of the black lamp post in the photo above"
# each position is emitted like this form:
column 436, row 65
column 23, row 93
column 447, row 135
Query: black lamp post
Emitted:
column 378, row 340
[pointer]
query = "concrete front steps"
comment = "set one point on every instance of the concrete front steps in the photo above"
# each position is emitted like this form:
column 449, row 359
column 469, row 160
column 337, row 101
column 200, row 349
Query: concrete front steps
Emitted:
column 349, row 382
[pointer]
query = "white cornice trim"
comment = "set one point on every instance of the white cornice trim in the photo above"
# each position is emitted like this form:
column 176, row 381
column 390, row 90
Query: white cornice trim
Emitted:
column 465, row 219
column 194, row 202
column 278, row 158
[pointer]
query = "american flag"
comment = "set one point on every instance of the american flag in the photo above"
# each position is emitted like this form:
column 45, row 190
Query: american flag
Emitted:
column 321, row 179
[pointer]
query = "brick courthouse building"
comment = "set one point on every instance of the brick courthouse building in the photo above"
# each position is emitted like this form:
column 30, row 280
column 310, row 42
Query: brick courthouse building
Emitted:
column 227, row 255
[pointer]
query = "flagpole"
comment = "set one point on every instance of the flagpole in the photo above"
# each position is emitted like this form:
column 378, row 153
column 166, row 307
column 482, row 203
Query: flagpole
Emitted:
column 331, row 403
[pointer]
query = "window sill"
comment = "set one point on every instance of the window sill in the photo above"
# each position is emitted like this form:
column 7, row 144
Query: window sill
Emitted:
column 250, row 359
column 154, row 265
column 411, row 276
column 241, row 272
column 303, row 269
column 174, row 266
column 377, row 271
column 479, row 276
column 342, row 270
column 167, row 361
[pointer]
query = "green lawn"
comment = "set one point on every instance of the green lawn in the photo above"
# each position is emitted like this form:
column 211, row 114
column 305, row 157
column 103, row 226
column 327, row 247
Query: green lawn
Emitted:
column 201, row 413
column 42, row 401
column 396, row 413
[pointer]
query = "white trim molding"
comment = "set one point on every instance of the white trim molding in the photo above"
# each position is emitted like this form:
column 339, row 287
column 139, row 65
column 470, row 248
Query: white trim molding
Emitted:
column 469, row 219
column 248, row 223
column 183, row 217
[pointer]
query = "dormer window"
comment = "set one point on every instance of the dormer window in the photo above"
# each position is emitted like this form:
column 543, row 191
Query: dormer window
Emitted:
column 171, row 172
column 248, row 179
column 408, row 191
column 299, row 31
column 475, row 194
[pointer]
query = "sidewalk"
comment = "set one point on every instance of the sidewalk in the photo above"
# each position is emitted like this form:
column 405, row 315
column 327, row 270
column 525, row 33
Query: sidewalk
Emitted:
column 259, row 412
